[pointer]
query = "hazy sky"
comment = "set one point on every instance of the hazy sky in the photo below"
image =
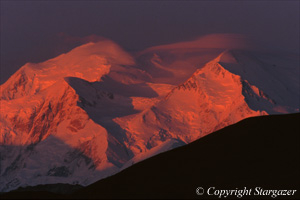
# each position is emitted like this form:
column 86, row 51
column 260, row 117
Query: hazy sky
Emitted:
column 33, row 31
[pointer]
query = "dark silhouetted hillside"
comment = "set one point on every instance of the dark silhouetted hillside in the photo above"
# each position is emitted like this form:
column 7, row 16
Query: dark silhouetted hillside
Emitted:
column 256, row 152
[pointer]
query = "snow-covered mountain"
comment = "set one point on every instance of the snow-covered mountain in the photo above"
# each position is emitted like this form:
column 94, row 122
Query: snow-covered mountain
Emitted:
column 96, row 110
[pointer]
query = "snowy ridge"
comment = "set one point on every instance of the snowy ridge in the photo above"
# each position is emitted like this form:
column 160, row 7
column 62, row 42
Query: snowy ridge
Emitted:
column 211, row 99
column 89, row 62
column 52, row 115
column 96, row 110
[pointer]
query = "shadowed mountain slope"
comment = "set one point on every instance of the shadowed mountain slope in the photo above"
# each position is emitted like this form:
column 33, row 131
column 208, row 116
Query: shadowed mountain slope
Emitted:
column 256, row 152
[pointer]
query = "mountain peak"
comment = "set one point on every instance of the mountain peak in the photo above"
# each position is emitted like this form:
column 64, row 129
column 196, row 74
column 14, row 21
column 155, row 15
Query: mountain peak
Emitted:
column 106, row 48
column 89, row 62
column 92, row 110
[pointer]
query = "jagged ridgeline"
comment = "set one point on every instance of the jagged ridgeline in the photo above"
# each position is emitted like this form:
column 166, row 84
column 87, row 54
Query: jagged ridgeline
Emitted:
column 96, row 110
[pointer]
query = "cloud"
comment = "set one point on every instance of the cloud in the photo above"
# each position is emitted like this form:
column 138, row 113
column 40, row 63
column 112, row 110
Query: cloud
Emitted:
column 64, row 42
column 69, row 39
column 219, row 41
column 79, row 46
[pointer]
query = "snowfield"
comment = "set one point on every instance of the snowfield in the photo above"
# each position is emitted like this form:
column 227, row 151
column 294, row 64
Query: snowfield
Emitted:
column 96, row 110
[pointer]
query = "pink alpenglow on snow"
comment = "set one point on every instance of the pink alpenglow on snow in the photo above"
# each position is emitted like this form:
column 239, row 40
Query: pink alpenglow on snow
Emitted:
column 96, row 110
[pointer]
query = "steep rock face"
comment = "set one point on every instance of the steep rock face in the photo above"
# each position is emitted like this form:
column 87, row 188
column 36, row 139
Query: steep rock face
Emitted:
column 52, row 139
column 270, row 82
column 41, row 115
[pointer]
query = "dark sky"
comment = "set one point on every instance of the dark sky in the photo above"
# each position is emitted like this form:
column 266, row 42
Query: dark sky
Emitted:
column 33, row 31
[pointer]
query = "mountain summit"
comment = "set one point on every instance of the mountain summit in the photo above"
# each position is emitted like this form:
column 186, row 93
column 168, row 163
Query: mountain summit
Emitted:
column 96, row 110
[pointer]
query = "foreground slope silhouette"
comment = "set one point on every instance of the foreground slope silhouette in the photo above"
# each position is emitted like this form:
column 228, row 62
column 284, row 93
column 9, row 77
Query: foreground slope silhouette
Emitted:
column 256, row 152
